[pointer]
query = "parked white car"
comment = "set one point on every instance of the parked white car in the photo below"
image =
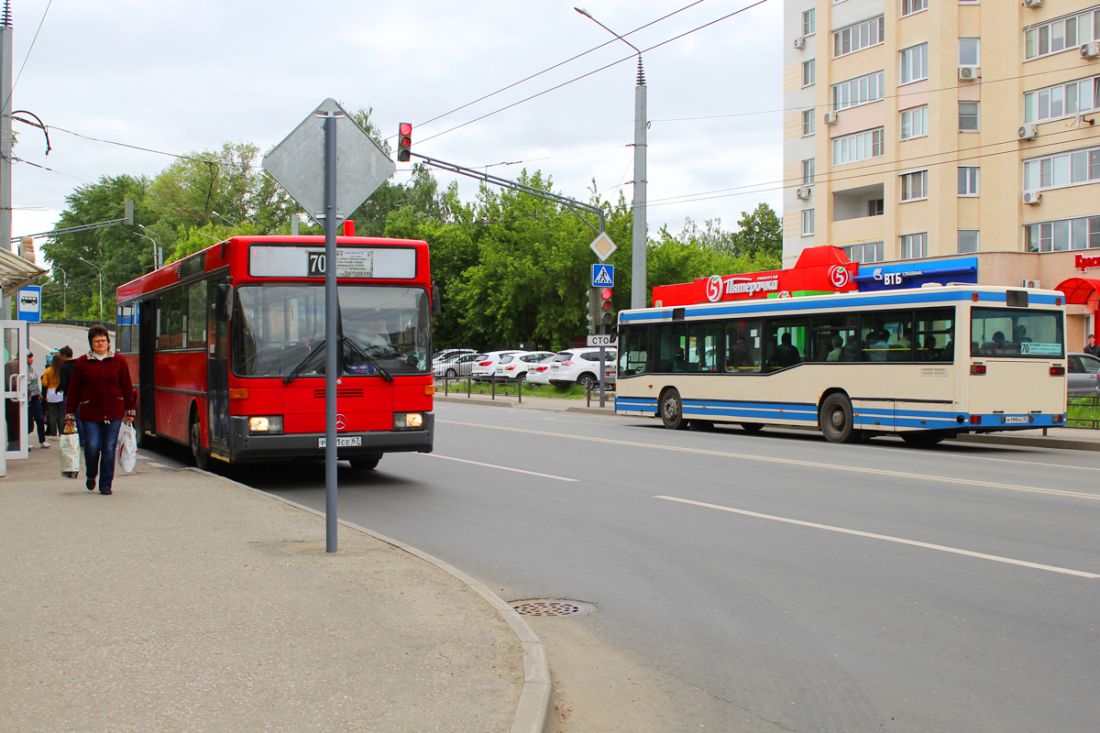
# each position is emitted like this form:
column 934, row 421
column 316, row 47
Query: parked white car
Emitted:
column 455, row 365
column 485, row 367
column 515, row 366
column 582, row 366
column 444, row 354
column 539, row 373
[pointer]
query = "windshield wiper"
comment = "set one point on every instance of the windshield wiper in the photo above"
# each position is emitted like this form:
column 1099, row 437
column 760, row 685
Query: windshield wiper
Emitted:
column 354, row 347
column 296, row 371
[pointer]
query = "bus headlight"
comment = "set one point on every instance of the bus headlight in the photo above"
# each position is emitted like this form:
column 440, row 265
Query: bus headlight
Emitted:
column 267, row 424
column 408, row 421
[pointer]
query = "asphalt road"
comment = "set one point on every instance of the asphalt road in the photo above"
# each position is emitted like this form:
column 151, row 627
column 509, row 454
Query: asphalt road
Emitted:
column 772, row 582
column 775, row 582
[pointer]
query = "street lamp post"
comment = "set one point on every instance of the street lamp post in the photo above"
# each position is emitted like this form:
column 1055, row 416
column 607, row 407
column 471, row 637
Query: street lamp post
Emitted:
column 156, row 247
column 100, row 273
column 638, row 268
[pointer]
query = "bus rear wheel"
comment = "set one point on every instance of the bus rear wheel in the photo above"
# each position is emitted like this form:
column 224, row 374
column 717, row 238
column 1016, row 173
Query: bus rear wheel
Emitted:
column 672, row 410
column 835, row 419
column 199, row 456
column 365, row 463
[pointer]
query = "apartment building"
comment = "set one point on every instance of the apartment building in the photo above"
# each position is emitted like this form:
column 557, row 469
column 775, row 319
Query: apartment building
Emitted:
column 958, row 135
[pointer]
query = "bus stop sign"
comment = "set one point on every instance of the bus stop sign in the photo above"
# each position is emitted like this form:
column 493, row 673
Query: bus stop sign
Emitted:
column 298, row 163
column 30, row 304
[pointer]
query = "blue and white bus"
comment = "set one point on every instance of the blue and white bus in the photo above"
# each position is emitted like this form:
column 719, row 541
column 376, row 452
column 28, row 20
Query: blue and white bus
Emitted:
column 926, row 364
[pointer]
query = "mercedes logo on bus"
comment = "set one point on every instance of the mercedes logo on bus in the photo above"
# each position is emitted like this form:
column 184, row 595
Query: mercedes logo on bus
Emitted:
column 341, row 421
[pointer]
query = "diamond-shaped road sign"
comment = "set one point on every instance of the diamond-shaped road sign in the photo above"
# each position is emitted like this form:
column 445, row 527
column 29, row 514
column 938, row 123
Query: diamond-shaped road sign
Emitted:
column 602, row 246
column 298, row 163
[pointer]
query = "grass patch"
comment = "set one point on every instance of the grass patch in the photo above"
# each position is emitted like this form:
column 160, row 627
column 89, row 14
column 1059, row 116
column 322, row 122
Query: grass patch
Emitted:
column 1084, row 412
column 508, row 389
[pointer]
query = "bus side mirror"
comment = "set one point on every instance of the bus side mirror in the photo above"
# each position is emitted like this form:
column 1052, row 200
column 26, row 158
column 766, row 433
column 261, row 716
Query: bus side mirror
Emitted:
column 223, row 301
column 437, row 304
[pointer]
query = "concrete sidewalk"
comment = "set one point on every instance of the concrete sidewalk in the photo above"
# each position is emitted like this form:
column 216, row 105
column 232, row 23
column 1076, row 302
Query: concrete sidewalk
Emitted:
column 185, row 601
column 1064, row 438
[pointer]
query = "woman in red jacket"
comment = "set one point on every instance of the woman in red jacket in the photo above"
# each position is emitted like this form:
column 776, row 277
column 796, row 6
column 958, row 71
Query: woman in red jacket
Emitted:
column 102, row 395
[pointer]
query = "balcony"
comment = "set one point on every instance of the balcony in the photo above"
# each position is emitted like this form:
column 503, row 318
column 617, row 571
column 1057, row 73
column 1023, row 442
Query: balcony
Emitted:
column 856, row 203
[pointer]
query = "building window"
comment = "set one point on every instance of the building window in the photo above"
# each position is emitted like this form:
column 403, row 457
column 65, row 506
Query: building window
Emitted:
column 1062, row 169
column 807, row 122
column 914, row 122
column 859, row 146
column 914, row 246
column 807, row 222
column 808, row 73
column 865, row 253
column 1062, row 34
column 1063, row 235
column 914, row 186
column 968, row 180
column 914, row 63
column 969, row 116
column 858, row 36
column 1063, row 100
column 808, row 172
column 968, row 241
column 809, row 22
column 861, row 90
column 908, row 7
column 876, row 207
column 970, row 52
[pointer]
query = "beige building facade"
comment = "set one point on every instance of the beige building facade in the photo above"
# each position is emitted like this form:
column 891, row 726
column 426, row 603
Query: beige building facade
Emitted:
column 924, row 130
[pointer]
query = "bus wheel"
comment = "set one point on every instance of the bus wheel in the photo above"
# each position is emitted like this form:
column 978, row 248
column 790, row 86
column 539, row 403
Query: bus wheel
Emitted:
column 835, row 418
column 200, row 457
column 922, row 439
column 672, row 412
column 366, row 463
column 752, row 427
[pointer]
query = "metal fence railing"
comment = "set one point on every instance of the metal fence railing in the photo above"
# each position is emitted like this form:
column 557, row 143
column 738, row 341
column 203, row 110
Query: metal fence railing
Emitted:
column 1084, row 412
column 507, row 388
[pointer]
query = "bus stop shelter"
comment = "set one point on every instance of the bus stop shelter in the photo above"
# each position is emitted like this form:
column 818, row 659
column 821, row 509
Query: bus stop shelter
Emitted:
column 15, row 272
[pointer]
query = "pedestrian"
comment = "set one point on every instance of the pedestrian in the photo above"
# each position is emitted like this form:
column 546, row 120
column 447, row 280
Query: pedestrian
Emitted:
column 55, row 398
column 1091, row 347
column 101, row 392
column 36, row 418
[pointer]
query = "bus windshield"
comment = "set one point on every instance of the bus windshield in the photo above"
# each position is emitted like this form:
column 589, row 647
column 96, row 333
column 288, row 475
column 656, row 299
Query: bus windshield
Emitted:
column 276, row 327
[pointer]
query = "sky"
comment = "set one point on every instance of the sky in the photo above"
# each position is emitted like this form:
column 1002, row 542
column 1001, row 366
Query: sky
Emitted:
column 125, row 84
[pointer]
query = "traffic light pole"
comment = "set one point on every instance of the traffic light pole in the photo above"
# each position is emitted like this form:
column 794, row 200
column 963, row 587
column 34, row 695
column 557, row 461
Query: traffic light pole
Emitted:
column 572, row 204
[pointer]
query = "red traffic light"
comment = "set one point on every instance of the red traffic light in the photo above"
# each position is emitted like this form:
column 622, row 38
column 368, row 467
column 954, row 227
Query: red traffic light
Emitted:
column 404, row 141
column 605, row 297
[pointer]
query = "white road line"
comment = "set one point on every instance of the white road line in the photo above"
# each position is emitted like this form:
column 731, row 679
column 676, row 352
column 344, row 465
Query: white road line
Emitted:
column 501, row 468
column 886, row 538
column 792, row 462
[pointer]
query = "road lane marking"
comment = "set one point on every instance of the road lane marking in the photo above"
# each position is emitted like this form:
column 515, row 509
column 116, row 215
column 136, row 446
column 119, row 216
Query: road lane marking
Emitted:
column 501, row 468
column 885, row 538
column 791, row 462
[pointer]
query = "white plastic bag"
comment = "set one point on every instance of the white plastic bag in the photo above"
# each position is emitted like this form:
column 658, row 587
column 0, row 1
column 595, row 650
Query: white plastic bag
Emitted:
column 69, row 453
column 127, row 448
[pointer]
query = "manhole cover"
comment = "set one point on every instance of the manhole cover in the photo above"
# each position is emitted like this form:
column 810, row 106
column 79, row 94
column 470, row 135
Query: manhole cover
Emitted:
column 551, row 607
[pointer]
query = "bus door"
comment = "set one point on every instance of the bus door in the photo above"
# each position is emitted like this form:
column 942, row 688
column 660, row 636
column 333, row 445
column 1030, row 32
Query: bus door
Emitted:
column 147, row 337
column 217, row 365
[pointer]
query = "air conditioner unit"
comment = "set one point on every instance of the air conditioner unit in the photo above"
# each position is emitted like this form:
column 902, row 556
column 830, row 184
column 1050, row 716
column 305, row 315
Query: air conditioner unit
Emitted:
column 1028, row 131
column 1029, row 283
column 831, row 118
column 802, row 192
column 969, row 73
column 1033, row 3
column 1031, row 198
column 800, row 42
column 1090, row 50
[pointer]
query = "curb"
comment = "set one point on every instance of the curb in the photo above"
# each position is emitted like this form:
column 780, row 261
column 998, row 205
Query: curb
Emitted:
column 533, row 712
column 1030, row 441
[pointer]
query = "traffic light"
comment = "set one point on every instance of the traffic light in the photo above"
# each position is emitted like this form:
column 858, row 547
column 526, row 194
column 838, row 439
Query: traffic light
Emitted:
column 593, row 309
column 607, row 318
column 404, row 141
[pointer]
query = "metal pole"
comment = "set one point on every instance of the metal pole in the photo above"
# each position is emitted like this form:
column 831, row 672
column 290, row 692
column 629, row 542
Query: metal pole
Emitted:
column 331, row 314
column 5, row 179
column 638, row 234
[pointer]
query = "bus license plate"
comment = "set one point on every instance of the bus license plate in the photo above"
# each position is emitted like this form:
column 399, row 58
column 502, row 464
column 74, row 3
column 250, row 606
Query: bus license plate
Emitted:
column 343, row 441
column 1016, row 420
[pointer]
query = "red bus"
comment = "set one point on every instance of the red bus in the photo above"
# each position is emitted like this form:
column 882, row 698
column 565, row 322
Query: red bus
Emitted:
column 226, row 349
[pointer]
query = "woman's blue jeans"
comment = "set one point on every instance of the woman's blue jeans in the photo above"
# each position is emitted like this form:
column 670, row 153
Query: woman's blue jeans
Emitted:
column 100, row 443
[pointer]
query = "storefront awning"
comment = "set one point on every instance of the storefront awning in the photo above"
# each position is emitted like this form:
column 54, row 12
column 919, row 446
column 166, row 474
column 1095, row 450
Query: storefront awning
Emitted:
column 914, row 274
column 15, row 272
column 1079, row 290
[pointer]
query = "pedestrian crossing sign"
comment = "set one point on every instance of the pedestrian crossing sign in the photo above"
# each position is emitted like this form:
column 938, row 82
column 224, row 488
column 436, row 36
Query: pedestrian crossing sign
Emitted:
column 603, row 276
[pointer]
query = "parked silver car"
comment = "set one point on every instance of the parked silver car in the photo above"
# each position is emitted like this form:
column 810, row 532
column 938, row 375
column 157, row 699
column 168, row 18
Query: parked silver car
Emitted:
column 1084, row 375
column 455, row 365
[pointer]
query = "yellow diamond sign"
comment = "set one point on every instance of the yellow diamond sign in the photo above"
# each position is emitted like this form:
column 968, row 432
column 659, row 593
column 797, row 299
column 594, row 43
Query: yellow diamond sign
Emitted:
column 602, row 246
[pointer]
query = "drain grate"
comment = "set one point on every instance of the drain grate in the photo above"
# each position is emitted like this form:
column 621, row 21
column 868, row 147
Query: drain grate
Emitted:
column 551, row 607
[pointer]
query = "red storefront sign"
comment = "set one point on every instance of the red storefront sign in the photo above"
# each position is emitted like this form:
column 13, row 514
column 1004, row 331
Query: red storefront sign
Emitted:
column 818, row 270
column 1081, row 262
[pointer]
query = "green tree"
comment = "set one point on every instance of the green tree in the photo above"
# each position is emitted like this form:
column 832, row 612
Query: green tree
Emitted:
column 760, row 235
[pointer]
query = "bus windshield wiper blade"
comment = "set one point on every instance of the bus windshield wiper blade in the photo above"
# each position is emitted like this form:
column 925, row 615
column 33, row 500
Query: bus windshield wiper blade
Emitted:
column 367, row 358
column 296, row 371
